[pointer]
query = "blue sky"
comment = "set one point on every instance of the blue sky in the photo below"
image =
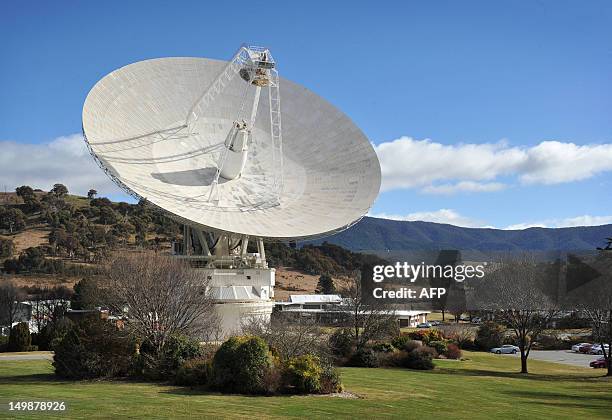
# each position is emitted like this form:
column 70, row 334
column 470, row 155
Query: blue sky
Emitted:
column 483, row 113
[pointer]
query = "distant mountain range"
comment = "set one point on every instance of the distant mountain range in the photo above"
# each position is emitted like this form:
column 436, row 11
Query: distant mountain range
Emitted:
column 384, row 235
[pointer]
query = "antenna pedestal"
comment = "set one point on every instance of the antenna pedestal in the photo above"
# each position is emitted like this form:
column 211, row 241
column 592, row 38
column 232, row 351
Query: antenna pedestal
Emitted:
column 240, row 282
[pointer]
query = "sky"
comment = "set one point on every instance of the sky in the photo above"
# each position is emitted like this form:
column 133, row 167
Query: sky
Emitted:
column 482, row 113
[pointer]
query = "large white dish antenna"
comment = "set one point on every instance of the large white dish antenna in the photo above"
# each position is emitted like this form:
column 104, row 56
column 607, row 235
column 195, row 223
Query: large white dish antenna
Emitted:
column 134, row 122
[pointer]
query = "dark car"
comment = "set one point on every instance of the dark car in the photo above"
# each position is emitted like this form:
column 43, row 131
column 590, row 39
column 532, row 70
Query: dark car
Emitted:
column 599, row 363
column 585, row 348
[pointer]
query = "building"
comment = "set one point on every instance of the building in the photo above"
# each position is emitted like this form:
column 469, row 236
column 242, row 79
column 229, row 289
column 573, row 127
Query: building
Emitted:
column 332, row 309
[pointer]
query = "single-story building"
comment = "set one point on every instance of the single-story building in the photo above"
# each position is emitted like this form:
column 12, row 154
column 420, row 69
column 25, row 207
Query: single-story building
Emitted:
column 332, row 309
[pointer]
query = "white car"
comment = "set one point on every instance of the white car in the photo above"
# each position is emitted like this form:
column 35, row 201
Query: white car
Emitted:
column 596, row 349
column 505, row 349
column 576, row 347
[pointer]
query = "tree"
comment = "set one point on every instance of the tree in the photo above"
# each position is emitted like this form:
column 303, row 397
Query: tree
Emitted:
column 24, row 192
column 108, row 216
column 460, row 333
column 7, row 248
column 20, row 338
column 86, row 294
column 12, row 219
column 516, row 291
column 289, row 338
column 326, row 285
column 91, row 194
column 490, row 334
column 162, row 297
column 27, row 194
column 368, row 318
column 9, row 303
column 59, row 190
column 597, row 305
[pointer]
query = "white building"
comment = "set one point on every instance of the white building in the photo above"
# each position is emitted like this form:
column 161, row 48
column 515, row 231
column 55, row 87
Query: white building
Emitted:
column 332, row 308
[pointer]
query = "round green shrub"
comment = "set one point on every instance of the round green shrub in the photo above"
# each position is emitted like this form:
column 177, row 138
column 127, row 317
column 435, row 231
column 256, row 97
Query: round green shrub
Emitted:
column 93, row 349
column 240, row 364
column 419, row 359
column 383, row 347
column 19, row 338
column 194, row 372
column 363, row 357
column 302, row 374
column 404, row 342
column 161, row 365
column 439, row 346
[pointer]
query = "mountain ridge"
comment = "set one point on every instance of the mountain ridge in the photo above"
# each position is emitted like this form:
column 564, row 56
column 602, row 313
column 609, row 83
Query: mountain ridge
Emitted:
column 385, row 234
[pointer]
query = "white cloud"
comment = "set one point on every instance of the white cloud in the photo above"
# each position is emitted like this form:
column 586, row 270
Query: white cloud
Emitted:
column 584, row 220
column 63, row 160
column 553, row 162
column 424, row 164
column 464, row 186
column 448, row 216
column 452, row 217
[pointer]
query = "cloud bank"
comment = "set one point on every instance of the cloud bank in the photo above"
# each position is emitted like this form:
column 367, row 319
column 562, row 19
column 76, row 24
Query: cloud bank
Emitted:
column 452, row 217
column 436, row 168
column 64, row 160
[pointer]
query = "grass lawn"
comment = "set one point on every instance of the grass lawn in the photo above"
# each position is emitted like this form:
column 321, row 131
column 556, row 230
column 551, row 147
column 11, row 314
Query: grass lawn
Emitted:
column 485, row 386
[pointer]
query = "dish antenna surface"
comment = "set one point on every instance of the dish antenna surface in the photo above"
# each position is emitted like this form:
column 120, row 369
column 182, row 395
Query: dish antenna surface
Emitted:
column 209, row 142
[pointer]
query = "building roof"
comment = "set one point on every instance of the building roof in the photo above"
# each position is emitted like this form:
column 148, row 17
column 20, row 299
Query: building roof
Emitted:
column 315, row 299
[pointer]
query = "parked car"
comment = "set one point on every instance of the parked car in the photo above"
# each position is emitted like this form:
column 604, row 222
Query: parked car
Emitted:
column 424, row 325
column 477, row 320
column 597, row 349
column 599, row 363
column 435, row 323
column 505, row 349
column 585, row 348
column 576, row 347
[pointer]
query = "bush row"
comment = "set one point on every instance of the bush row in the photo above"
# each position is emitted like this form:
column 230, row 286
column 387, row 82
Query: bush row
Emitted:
column 244, row 364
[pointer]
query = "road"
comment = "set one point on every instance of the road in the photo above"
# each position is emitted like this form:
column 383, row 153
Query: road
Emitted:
column 36, row 355
column 566, row 357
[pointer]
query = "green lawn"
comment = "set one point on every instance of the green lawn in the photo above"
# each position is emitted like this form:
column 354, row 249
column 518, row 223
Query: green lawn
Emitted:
column 485, row 386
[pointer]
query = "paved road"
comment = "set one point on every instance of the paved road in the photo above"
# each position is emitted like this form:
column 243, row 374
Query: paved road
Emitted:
column 567, row 357
column 39, row 355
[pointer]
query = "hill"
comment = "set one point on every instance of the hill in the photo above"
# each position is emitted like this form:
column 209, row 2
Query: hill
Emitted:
column 373, row 234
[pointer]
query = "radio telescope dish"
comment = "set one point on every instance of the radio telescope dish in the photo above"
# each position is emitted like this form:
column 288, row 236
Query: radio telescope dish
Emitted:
column 209, row 142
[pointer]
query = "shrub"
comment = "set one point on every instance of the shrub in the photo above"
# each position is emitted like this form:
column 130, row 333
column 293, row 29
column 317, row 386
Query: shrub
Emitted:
column 341, row 342
column 404, row 342
column 272, row 378
column 420, row 359
column 489, row 335
column 164, row 364
column 453, row 351
column 330, row 379
column 240, row 365
column 461, row 334
column 426, row 335
column 19, row 338
column 52, row 333
column 194, row 372
column 363, row 357
column 439, row 346
column 93, row 349
column 302, row 374
column 383, row 347
column 307, row 374
column 3, row 343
